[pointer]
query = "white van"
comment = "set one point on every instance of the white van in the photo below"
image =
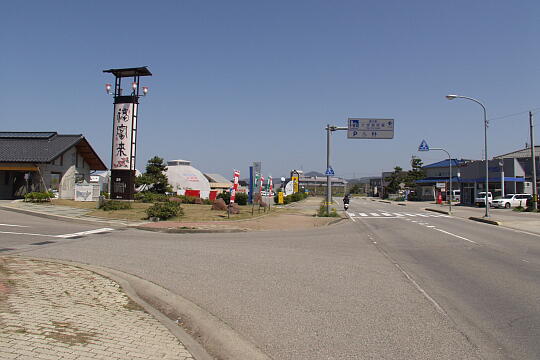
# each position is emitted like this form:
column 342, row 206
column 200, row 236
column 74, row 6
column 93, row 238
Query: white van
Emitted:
column 480, row 199
column 456, row 195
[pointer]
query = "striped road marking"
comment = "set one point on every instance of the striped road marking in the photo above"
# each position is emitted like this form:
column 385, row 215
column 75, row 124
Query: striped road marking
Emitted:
column 82, row 233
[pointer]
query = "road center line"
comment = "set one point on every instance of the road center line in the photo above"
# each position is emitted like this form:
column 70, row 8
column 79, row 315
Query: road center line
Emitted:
column 459, row 237
column 30, row 234
column 13, row 225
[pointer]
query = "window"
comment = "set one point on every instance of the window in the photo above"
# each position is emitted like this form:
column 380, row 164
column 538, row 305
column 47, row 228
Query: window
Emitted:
column 55, row 180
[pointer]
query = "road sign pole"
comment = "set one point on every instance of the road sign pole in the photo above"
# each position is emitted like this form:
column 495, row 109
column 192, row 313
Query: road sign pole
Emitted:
column 328, row 179
column 425, row 147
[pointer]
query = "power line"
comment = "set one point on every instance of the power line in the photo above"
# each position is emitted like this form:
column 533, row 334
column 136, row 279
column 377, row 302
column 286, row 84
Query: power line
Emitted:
column 515, row 114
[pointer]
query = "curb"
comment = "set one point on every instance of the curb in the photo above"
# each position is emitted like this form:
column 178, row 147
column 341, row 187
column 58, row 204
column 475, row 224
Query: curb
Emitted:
column 492, row 222
column 188, row 231
column 205, row 336
column 61, row 217
column 384, row 201
column 438, row 211
column 336, row 221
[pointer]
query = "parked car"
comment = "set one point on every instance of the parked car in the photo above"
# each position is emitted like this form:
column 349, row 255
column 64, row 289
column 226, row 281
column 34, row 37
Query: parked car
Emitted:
column 512, row 200
column 456, row 195
column 480, row 199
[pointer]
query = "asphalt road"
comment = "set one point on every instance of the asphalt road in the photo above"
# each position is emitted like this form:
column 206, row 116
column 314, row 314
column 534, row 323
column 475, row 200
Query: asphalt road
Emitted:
column 459, row 290
column 486, row 278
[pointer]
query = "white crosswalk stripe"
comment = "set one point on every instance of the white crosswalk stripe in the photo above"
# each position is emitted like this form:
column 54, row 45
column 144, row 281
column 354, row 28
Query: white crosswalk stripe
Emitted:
column 395, row 215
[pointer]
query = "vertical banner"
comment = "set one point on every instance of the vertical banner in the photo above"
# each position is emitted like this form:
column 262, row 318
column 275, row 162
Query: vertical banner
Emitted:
column 261, row 186
column 267, row 188
column 251, row 187
column 123, row 144
column 271, row 185
column 295, row 183
column 235, row 186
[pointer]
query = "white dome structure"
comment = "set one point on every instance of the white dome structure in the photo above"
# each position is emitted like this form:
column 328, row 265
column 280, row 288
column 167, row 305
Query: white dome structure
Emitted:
column 182, row 176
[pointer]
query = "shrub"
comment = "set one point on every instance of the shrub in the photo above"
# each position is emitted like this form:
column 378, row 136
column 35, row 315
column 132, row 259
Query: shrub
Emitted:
column 105, row 194
column 189, row 199
column 241, row 198
column 322, row 212
column 150, row 197
column 165, row 210
column 38, row 196
column 111, row 205
column 226, row 196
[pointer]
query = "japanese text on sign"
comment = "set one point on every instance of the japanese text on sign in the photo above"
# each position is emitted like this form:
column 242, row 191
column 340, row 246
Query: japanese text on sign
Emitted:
column 362, row 128
column 122, row 136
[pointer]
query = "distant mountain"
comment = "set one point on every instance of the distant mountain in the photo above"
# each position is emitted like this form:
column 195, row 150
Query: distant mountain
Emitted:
column 314, row 173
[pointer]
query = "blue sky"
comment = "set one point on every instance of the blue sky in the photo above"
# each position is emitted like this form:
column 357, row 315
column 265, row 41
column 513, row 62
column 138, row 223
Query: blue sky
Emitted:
column 241, row 81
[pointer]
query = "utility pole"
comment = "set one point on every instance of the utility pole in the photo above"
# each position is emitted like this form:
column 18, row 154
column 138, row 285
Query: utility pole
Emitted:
column 533, row 158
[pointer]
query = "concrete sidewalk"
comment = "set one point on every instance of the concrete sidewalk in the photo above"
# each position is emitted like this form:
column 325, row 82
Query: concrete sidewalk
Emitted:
column 50, row 310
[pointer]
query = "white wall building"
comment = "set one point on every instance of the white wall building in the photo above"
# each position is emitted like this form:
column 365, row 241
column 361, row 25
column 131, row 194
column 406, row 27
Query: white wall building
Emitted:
column 182, row 176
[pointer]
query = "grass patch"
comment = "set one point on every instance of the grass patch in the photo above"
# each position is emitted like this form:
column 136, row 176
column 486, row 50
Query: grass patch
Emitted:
column 75, row 204
column 192, row 212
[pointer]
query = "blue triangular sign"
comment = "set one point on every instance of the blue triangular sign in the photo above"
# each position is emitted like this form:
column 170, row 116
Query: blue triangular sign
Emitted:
column 329, row 171
column 423, row 146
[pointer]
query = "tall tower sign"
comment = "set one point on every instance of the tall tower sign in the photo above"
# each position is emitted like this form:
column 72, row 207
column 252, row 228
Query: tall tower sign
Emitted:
column 124, row 138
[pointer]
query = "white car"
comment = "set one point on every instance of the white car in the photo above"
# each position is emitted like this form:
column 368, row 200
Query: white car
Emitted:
column 511, row 200
column 480, row 199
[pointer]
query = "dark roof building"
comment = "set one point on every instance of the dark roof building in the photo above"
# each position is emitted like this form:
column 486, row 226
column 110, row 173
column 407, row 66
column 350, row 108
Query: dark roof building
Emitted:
column 39, row 161
column 44, row 147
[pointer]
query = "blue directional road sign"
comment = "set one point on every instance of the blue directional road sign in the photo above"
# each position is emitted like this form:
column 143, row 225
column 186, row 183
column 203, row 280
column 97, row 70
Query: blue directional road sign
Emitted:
column 423, row 146
column 329, row 172
column 364, row 128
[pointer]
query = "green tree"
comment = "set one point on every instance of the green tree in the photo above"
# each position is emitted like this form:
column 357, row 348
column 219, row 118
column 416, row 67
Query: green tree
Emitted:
column 356, row 189
column 394, row 180
column 155, row 176
column 416, row 172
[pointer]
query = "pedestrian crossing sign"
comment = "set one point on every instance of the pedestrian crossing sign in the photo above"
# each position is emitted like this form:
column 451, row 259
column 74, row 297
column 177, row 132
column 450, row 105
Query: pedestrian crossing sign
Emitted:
column 423, row 146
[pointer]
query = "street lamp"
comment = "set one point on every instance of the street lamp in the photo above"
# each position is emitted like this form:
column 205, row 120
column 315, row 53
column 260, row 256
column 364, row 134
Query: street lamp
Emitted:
column 452, row 97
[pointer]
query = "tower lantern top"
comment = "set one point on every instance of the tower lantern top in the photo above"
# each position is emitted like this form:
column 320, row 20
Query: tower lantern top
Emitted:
column 128, row 72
